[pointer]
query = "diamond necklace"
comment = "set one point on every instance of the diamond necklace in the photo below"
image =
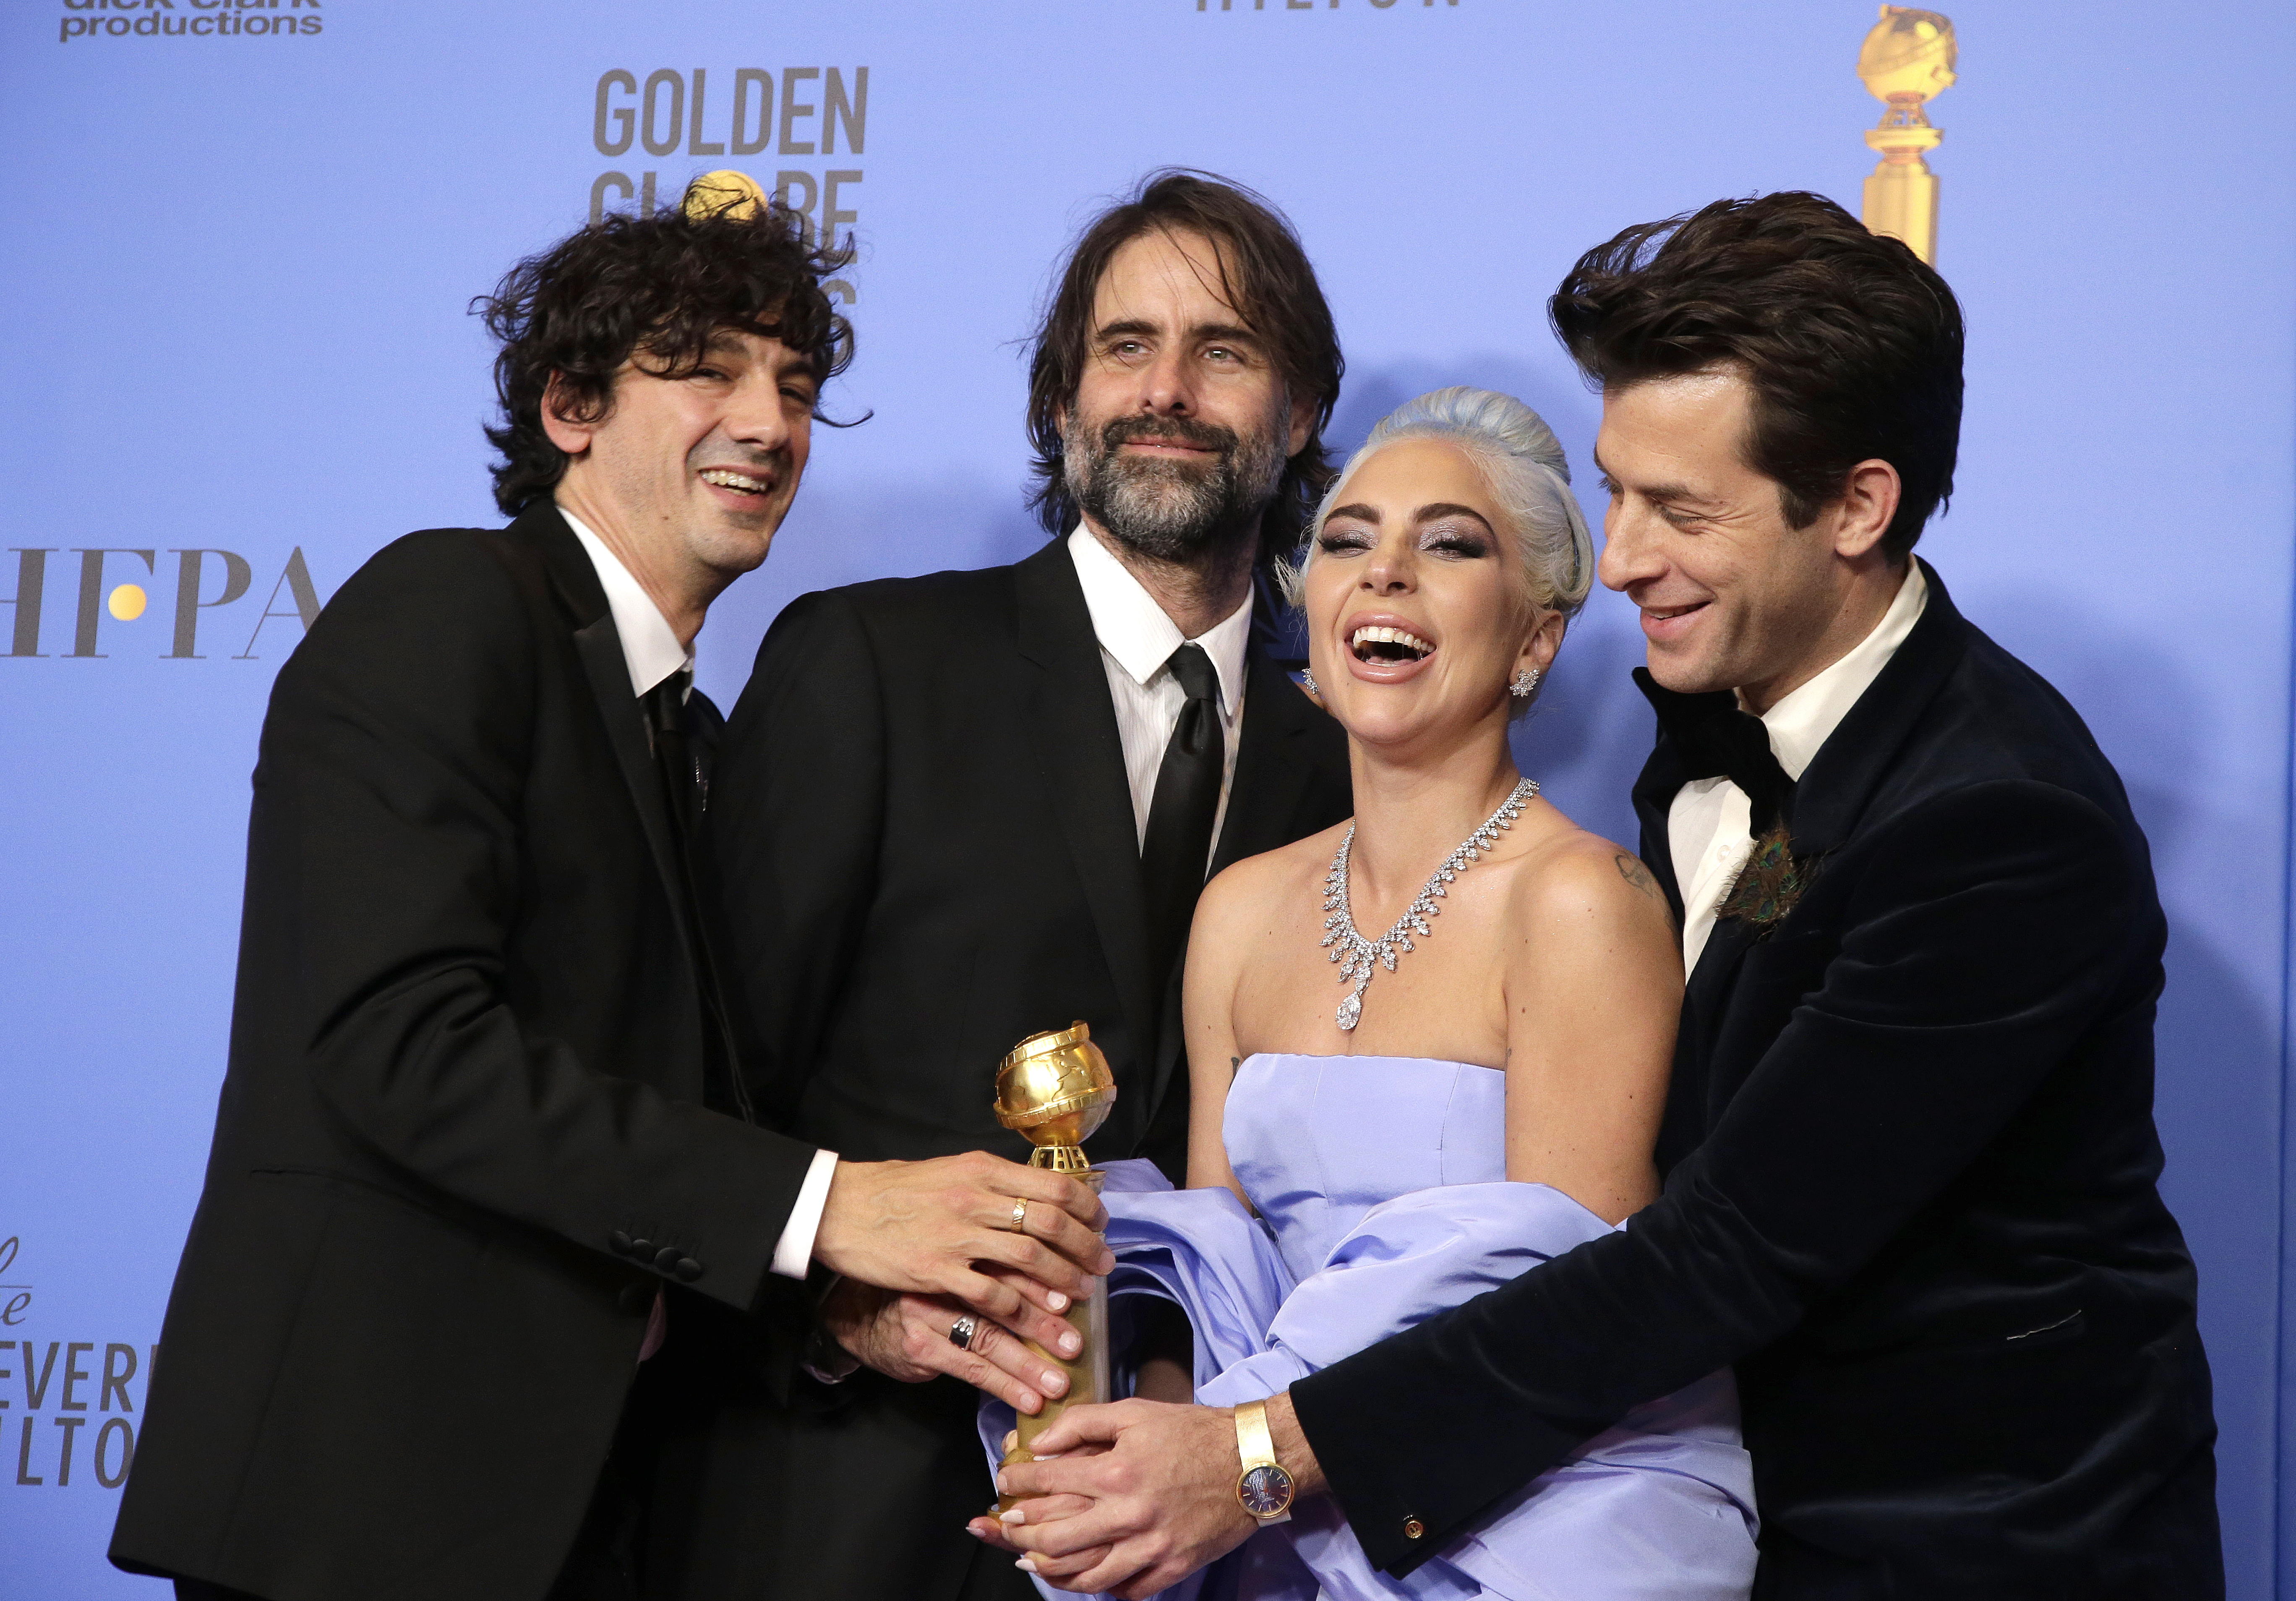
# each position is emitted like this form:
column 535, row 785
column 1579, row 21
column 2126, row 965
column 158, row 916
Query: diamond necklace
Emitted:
column 1356, row 955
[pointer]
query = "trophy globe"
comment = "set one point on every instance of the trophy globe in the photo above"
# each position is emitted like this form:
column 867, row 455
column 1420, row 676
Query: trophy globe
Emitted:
column 1055, row 1089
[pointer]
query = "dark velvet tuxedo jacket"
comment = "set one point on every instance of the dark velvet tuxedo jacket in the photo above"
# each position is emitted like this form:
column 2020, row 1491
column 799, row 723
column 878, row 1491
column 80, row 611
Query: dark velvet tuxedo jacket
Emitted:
column 1910, row 1167
column 465, row 1080
column 929, row 853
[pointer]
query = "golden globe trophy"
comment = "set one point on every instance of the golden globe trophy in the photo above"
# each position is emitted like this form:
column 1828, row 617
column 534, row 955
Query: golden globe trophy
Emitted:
column 1056, row 1089
column 1906, row 60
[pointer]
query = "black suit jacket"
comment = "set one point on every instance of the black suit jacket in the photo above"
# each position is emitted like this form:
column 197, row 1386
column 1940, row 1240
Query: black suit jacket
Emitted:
column 1910, row 1192
column 929, row 853
column 460, row 1144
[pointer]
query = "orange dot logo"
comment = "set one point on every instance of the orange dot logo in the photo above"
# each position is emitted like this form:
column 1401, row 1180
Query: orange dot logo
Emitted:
column 127, row 602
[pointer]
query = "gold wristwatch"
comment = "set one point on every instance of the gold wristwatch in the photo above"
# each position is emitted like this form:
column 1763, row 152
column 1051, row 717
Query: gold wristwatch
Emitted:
column 1263, row 1489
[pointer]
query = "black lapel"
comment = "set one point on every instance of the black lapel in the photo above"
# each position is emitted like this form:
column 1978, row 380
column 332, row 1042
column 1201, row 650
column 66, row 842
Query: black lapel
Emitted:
column 600, row 646
column 1083, row 771
column 1848, row 766
column 1272, row 765
column 1833, row 792
column 1707, row 988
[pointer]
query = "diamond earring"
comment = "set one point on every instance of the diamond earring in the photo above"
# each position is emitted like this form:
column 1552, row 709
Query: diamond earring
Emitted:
column 1308, row 682
column 1525, row 681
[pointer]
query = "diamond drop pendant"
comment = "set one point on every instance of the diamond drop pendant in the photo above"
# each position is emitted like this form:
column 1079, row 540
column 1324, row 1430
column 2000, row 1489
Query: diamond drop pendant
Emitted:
column 1355, row 954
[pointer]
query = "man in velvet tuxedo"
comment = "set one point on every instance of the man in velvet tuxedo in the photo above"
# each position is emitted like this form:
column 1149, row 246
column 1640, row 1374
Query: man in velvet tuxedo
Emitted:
column 487, row 1200
column 1017, row 781
column 1909, row 1154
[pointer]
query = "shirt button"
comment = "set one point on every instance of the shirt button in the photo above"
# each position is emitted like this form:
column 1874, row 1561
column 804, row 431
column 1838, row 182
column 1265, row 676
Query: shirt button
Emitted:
column 1412, row 1528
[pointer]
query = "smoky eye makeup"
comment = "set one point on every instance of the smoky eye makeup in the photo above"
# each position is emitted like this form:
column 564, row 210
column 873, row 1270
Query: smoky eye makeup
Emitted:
column 1345, row 537
column 1460, row 539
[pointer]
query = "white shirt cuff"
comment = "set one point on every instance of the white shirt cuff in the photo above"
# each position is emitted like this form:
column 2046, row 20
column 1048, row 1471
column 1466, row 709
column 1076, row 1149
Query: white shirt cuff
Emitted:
column 793, row 1254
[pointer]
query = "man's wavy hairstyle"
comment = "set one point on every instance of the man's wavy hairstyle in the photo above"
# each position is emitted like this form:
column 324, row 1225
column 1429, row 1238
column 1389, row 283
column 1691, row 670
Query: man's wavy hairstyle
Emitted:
column 1852, row 344
column 650, row 288
column 1265, row 274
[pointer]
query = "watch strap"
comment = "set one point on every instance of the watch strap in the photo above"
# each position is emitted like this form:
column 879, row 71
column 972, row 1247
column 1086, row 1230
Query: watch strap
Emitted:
column 1253, row 1443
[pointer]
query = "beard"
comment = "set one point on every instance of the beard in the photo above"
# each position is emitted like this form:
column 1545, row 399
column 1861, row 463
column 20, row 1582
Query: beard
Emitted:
column 1166, row 510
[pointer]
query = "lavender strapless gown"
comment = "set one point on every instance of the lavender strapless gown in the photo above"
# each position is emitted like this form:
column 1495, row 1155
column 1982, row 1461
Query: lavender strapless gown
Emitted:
column 1381, row 1184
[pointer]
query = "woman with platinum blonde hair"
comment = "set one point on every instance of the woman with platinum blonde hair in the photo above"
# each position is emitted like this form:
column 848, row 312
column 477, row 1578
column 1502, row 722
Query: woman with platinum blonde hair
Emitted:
column 1478, row 1092
column 1529, row 477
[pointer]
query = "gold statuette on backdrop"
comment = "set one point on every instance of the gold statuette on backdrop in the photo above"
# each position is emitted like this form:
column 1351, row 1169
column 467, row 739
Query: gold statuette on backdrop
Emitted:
column 1907, row 60
column 735, row 193
column 1056, row 1089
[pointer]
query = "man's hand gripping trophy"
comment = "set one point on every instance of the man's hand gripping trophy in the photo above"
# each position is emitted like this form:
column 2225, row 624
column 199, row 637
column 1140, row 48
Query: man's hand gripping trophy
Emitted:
column 977, row 1268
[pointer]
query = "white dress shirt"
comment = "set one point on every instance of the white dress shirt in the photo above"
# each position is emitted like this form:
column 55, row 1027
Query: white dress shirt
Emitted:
column 1706, row 825
column 1136, row 640
column 650, row 650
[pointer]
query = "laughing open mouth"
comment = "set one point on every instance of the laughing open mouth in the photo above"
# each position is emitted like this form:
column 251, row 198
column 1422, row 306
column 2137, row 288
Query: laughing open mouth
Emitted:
column 1388, row 645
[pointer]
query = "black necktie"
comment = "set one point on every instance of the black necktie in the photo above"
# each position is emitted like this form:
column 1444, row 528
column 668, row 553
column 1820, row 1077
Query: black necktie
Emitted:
column 1716, row 739
column 678, row 754
column 1179, row 842
column 682, row 752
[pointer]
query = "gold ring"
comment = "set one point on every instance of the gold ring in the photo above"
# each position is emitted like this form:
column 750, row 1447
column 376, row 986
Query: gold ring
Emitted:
column 1020, row 1216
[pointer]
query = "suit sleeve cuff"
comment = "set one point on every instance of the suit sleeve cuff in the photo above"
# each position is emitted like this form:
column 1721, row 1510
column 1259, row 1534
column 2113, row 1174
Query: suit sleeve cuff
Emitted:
column 793, row 1254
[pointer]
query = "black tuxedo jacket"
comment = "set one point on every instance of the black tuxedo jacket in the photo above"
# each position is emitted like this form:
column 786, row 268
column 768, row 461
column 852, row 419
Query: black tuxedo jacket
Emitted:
column 929, row 853
column 460, row 1144
column 1910, row 1168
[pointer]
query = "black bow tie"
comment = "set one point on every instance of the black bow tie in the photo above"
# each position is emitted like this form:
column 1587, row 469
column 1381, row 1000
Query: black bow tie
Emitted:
column 1716, row 739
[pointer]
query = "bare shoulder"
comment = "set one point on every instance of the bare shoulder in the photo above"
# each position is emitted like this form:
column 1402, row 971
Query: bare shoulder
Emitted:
column 1251, row 886
column 1576, row 878
column 1253, row 899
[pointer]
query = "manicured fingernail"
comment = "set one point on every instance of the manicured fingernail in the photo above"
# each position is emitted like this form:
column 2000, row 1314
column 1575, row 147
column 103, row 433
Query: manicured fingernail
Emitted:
column 975, row 1533
column 1025, row 1565
column 1054, row 1382
column 1057, row 1301
column 1017, row 1515
column 1012, row 1438
column 1072, row 1342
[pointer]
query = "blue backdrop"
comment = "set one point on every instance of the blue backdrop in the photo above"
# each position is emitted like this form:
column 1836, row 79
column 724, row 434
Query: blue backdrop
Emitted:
column 233, row 304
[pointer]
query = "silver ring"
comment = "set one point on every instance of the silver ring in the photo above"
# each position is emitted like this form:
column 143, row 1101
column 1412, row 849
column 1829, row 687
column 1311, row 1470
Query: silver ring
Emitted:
column 961, row 1331
column 1020, row 1216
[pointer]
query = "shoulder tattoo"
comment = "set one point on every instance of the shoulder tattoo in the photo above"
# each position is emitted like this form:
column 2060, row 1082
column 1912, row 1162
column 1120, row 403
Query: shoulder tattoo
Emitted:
column 1637, row 875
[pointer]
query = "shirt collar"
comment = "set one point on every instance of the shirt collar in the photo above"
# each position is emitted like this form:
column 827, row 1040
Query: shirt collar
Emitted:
column 649, row 647
column 1803, row 718
column 1134, row 630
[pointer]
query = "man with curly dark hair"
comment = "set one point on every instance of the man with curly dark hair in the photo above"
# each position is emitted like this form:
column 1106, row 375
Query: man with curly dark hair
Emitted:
column 489, row 1206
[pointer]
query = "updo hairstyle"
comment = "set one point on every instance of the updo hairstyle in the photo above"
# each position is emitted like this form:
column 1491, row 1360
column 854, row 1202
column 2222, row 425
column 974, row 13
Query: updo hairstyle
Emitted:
column 1521, row 462
column 1528, row 476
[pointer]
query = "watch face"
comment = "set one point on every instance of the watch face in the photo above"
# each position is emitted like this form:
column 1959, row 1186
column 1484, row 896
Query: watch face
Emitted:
column 1266, row 1490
